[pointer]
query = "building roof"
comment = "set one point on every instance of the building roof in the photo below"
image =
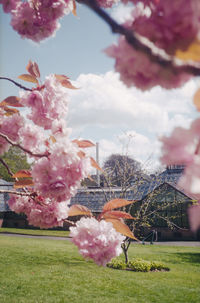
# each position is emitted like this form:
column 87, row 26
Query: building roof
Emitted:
column 95, row 199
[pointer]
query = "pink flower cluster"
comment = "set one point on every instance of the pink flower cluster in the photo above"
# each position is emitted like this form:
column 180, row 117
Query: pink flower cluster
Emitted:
column 47, row 104
column 107, row 3
column 97, row 240
column 183, row 147
column 36, row 20
column 170, row 25
column 58, row 166
column 40, row 212
column 39, row 19
column 135, row 68
column 9, row 126
column 58, row 176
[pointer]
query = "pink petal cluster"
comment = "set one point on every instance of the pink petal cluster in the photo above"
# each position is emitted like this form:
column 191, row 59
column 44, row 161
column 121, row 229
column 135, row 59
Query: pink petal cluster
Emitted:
column 32, row 137
column 41, row 212
column 96, row 240
column 135, row 68
column 47, row 104
column 10, row 127
column 183, row 147
column 194, row 216
column 170, row 25
column 107, row 3
column 59, row 175
column 36, row 20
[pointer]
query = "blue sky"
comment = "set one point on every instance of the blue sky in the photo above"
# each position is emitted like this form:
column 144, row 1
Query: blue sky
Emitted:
column 103, row 110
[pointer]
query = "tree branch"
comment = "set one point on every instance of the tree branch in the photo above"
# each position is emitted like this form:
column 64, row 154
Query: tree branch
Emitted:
column 144, row 45
column 22, row 148
column 2, row 191
column 6, row 166
column 16, row 83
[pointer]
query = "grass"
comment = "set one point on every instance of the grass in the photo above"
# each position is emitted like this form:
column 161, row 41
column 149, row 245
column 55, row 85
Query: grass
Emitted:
column 50, row 271
column 35, row 232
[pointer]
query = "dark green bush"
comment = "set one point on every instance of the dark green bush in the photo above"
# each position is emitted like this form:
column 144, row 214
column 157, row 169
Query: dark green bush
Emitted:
column 117, row 264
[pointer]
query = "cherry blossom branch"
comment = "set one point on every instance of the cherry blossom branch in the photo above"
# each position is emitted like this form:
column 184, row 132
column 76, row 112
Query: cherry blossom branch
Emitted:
column 6, row 166
column 2, row 191
column 142, row 44
column 16, row 83
column 22, row 148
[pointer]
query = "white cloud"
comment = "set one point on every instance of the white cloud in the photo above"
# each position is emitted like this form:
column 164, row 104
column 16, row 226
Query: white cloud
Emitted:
column 104, row 108
column 121, row 12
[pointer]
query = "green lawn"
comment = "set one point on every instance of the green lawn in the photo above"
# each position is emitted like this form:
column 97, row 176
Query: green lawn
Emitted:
column 51, row 271
column 36, row 232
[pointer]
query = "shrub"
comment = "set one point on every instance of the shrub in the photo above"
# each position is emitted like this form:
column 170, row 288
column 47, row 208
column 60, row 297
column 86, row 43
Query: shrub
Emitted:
column 138, row 265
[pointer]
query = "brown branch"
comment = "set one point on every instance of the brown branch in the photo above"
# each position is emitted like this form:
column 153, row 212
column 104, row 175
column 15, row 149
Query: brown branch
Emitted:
column 2, row 191
column 142, row 44
column 6, row 166
column 16, row 83
column 22, row 148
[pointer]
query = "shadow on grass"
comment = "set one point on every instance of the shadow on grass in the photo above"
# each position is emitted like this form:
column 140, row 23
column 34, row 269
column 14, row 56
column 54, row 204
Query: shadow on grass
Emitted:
column 192, row 258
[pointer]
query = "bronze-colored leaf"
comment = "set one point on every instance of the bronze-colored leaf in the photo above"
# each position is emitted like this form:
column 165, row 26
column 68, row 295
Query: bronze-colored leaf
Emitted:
column 122, row 228
column 61, row 77
column 196, row 99
column 115, row 214
column 74, row 8
column 29, row 78
column 22, row 174
column 33, row 69
column 81, row 154
column 10, row 111
column 11, row 101
column 53, row 139
column 78, row 210
column 83, row 143
column 23, row 183
column 95, row 164
column 192, row 52
column 116, row 203
column 64, row 81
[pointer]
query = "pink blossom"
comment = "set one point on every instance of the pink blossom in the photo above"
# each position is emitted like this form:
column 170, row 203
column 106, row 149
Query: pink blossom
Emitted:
column 194, row 216
column 171, row 25
column 37, row 21
column 48, row 214
column 96, row 240
column 9, row 5
column 179, row 148
column 47, row 104
column 11, row 125
column 31, row 137
column 107, row 3
column 59, row 175
column 135, row 68
column 4, row 146
column 40, row 212
column 19, row 204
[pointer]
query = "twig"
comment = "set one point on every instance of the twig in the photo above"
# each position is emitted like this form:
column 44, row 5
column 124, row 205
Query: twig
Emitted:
column 142, row 44
column 6, row 166
column 2, row 191
column 22, row 148
column 16, row 83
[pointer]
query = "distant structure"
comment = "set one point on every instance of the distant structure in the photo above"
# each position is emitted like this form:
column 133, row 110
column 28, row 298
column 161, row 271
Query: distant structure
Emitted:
column 161, row 188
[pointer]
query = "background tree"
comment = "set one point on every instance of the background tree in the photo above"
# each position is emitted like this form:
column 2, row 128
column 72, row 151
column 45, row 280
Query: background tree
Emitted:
column 16, row 160
column 122, row 170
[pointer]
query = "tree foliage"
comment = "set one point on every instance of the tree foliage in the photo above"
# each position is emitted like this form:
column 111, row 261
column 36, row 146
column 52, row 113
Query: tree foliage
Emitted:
column 16, row 160
column 122, row 170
